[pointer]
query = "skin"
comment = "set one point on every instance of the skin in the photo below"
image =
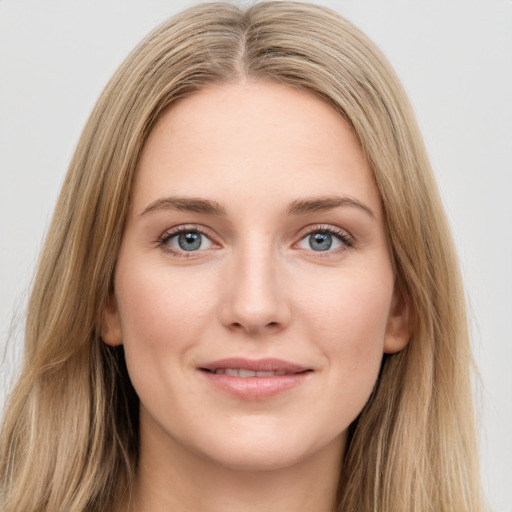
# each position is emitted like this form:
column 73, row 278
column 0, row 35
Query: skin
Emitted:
column 257, row 287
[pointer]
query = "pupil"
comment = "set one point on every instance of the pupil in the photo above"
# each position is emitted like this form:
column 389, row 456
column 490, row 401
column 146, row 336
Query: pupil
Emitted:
column 321, row 241
column 189, row 241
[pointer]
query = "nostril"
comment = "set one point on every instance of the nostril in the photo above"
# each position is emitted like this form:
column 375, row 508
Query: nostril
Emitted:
column 270, row 325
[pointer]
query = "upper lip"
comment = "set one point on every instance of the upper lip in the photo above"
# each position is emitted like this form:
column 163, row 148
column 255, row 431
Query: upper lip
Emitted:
column 255, row 365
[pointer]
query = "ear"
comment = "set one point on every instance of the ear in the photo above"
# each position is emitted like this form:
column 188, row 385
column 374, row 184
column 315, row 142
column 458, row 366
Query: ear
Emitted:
column 111, row 329
column 400, row 323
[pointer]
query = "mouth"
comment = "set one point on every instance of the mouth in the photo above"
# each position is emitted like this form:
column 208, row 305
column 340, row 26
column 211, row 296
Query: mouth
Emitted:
column 250, row 379
column 244, row 368
column 241, row 372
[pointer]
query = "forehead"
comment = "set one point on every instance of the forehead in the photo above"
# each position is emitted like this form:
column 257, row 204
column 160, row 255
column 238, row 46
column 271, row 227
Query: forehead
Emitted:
column 253, row 139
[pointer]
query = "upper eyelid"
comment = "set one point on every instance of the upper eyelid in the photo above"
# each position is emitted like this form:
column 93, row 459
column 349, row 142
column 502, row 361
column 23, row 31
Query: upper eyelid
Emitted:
column 334, row 230
column 325, row 227
column 184, row 228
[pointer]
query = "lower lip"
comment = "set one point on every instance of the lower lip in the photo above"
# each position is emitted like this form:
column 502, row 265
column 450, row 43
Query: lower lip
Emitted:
column 255, row 388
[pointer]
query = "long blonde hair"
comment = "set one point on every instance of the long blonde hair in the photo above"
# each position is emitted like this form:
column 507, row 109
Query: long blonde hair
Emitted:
column 70, row 432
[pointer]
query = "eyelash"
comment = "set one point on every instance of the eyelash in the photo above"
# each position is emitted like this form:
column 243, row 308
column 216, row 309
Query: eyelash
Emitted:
column 168, row 235
column 342, row 236
column 338, row 233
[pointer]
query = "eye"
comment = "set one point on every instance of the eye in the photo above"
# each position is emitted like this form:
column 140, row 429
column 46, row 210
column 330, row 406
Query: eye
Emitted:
column 325, row 239
column 185, row 240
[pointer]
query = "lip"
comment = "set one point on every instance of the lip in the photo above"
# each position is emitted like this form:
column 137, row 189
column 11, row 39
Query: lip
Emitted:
column 255, row 388
column 255, row 365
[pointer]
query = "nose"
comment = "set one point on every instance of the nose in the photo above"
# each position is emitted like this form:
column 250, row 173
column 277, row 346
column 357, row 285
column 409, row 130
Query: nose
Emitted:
column 254, row 298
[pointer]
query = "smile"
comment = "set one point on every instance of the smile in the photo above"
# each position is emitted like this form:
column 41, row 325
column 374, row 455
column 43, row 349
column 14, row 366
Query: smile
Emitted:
column 248, row 379
column 237, row 372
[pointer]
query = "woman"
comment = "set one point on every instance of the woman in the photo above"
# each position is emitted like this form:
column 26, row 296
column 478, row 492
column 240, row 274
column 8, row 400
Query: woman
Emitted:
column 248, row 296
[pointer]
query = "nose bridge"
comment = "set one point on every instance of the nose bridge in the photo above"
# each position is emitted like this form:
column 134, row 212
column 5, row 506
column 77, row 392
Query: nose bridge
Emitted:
column 255, row 300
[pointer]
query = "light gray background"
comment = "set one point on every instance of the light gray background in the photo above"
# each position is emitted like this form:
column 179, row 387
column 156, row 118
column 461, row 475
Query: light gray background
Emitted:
column 455, row 60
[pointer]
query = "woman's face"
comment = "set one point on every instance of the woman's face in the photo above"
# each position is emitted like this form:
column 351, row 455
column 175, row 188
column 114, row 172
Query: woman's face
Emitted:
column 254, row 291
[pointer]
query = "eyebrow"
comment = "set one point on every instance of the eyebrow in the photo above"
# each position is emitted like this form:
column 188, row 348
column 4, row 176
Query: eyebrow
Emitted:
column 186, row 204
column 318, row 204
column 297, row 207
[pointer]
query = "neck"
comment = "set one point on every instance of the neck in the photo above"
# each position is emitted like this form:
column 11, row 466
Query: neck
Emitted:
column 178, row 479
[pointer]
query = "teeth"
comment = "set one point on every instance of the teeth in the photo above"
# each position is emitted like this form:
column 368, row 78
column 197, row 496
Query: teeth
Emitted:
column 246, row 373
column 236, row 372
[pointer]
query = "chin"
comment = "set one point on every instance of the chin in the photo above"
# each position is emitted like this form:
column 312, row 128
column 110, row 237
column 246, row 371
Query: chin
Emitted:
column 268, row 451
column 258, row 460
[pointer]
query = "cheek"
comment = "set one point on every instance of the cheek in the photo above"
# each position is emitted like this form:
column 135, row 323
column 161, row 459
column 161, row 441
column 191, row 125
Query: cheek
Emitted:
column 349, row 321
column 351, row 306
column 162, row 317
column 153, row 298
